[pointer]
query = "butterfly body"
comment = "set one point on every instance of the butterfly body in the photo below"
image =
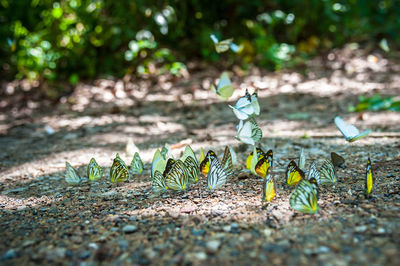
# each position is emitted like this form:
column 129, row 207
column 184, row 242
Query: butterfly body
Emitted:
column 94, row 170
column 118, row 171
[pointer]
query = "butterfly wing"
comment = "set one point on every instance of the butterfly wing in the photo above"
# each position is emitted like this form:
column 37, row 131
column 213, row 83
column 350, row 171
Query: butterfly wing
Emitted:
column 269, row 188
column 202, row 156
column 223, row 46
column 255, row 104
column 302, row 160
column 304, row 198
column 226, row 162
column 235, row 48
column 293, row 174
column 94, row 170
column 233, row 155
column 205, row 164
column 314, row 173
column 166, row 152
column 216, row 175
column 327, row 173
column 193, row 169
column 348, row 131
column 225, row 88
column 158, row 163
column 177, row 177
column 137, row 164
column 369, row 181
column 71, row 176
column 337, row 160
column 214, row 38
column 118, row 171
column 361, row 135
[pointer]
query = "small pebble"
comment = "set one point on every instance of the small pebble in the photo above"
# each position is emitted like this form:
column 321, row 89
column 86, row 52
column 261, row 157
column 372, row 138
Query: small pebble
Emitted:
column 130, row 228
column 10, row 254
column 213, row 245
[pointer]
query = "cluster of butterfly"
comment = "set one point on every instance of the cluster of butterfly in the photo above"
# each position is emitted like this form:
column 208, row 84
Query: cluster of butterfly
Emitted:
column 176, row 174
column 119, row 171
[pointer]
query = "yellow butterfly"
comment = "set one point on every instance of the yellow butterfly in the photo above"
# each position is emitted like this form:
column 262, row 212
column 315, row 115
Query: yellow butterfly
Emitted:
column 223, row 46
column 71, row 176
column 157, row 168
column 136, row 164
column 94, row 170
column 176, row 175
column 224, row 89
column 192, row 165
column 205, row 164
column 264, row 164
column 305, row 197
column 294, row 174
column 118, row 171
column 269, row 187
column 369, row 179
column 250, row 162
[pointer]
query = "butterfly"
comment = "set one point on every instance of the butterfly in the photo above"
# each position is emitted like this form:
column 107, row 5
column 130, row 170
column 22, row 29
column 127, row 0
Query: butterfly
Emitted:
column 337, row 160
column 327, row 173
column 227, row 163
column 350, row 132
column 252, row 160
column 216, row 175
column 264, row 164
column 118, row 171
column 205, row 164
column 269, row 187
column 223, row 46
column 233, row 155
column 248, row 132
column 314, row 173
column 176, row 175
column 136, row 164
column 166, row 152
column 305, row 197
column 302, row 159
column 224, row 89
column 246, row 107
column 202, row 156
column 71, row 176
column 94, row 170
column 192, row 165
column 157, row 168
column 294, row 174
column 369, row 179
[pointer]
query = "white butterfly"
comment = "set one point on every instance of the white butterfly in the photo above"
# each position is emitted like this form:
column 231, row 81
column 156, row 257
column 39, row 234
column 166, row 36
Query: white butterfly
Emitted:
column 71, row 176
column 216, row 174
column 248, row 132
column 302, row 160
column 350, row 132
column 246, row 107
column 223, row 46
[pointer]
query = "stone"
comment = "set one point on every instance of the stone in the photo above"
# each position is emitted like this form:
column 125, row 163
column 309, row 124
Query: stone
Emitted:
column 213, row 246
column 130, row 228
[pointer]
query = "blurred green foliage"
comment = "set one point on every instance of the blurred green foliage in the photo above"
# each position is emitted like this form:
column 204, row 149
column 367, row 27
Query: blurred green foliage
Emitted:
column 78, row 39
column 376, row 103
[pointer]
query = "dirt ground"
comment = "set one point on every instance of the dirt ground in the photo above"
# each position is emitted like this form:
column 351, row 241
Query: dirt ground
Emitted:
column 43, row 220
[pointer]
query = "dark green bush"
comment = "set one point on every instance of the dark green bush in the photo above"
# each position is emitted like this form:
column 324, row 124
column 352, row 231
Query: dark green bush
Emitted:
column 75, row 39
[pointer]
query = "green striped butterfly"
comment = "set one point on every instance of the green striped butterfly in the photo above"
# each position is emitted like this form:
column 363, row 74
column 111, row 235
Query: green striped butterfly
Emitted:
column 118, row 171
column 176, row 175
column 157, row 168
column 248, row 132
column 327, row 173
column 217, row 176
column 192, row 165
column 94, row 170
column 166, row 152
column 227, row 161
column 136, row 164
column 71, row 176
column 305, row 197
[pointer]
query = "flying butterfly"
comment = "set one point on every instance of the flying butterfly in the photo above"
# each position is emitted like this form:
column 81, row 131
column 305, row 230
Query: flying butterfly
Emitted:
column 136, row 164
column 248, row 132
column 205, row 164
column 337, row 160
column 264, row 164
column 350, row 132
column 71, row 176
column 216, row 175
column 305, row 197
column 118, row 171
column 269, row 187
column 176, row 178
column 94, row 170
column 192, row 165
column 224, row 89
column 223, row 46
column 247, row 106
column 327, row 173
column 369, row 179
column 294, row 174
